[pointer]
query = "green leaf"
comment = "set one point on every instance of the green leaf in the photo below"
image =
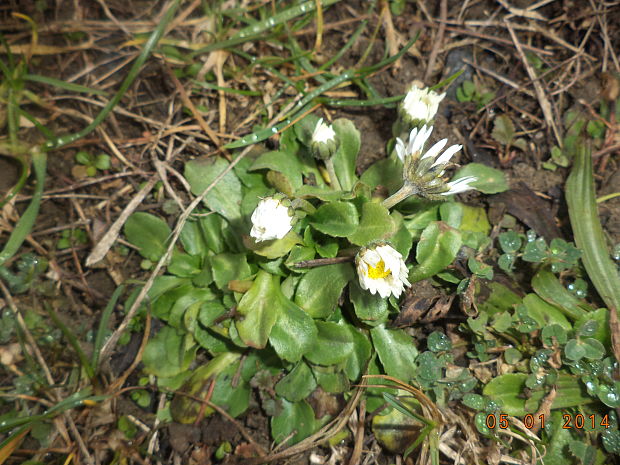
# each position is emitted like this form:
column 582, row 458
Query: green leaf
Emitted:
column 330, row 379
column 320, row 288
column 510, row 241
column 102, row 162
column 345, row 157
column 169, row 353
column 258, row 310
column 588, row 348
column 488, row 180
column 333, row 344
column 551, row 290
column 503, row 130
column 297, row 385
column 229, row 266
column 396, row 352
column 321, row 193
column 372, row 309
column 211, row 227
column 589, row 235
column 294, row 332
column 602, row 331
column 184, row 265
column 451, row 213
column 338, row 219
column 438, row 342
column 225, row 197
column 282, row 162
column 545, row 314
column 295, row 417
column 376, row 224
column 275, row 248
column 397, row 429
column 509, row 391
column 553, row 334
column 436, row 249
column 184, row 407
column 387, row 173
column 149, row 233
column 535, row 251
column 355, row 364
column 192, row 296
column 192, row 239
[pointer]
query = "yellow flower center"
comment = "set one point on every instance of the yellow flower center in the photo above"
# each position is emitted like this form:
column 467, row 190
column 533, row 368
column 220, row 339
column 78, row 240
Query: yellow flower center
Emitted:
column 379, row 271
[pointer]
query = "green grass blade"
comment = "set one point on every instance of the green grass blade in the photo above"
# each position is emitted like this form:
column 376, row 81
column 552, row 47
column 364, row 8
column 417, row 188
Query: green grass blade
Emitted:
column 230, row 90
column 26, row 222
column 46, row 132
column 384, row 101
column 388, row 61
column 73, row 341
column 589, row 237
column 346, row 46
column 23, row 175
column 69, row 86
column 257, row 31
column 103, row 324
column 131, row 76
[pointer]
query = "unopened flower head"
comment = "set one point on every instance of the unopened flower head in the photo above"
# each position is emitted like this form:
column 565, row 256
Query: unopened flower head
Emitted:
column 419, row 106
column 381, row 269
column 271, row 219
column 423, row 171
column 324, row 141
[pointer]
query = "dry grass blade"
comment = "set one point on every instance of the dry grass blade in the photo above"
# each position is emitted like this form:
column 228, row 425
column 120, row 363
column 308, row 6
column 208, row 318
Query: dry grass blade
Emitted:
column 545, row 105
column 108, row 239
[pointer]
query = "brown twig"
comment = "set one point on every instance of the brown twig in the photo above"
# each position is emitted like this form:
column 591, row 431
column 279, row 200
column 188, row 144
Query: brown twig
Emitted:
column 322, row 262
column 443, row 13
column 540, row 93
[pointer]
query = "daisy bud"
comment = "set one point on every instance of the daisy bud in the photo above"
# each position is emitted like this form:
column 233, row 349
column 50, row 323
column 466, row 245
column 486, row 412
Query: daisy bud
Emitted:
column 419, row 106
column 271, row 219
column 381, row 269
column 324, row 141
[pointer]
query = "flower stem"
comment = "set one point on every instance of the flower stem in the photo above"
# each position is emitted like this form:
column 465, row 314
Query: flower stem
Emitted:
column 333, row 179
column 398, row 196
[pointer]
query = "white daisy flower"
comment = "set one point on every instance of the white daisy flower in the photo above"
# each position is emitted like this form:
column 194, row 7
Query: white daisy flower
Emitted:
column 324, row 141
column 271, row 220
column 381, row 269
column 423, row 171
column 420, row 105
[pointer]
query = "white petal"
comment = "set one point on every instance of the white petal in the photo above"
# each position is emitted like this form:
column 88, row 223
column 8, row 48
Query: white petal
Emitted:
column 460, row 185
column 401, row 149
column 435, row 149
column 420, row 139
column 447, row 155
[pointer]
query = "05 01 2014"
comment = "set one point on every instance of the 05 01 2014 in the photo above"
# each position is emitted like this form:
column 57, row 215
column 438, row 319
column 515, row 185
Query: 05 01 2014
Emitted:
column 570, row 421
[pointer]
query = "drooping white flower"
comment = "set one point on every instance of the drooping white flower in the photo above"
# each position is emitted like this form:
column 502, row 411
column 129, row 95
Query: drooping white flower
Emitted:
column 420, row 105
column 381, row 269
column 324, row 140
column 423, row 171
column 271, row 220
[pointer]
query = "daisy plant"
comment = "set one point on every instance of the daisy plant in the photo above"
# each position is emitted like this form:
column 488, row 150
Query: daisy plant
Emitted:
column 291, row 274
